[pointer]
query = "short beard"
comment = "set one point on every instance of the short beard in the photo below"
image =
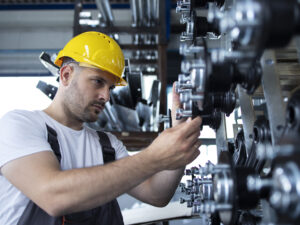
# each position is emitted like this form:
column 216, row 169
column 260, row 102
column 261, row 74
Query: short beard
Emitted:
column 73, row 105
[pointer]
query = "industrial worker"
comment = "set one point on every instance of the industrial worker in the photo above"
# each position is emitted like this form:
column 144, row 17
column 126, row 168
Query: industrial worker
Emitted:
column 54, row 169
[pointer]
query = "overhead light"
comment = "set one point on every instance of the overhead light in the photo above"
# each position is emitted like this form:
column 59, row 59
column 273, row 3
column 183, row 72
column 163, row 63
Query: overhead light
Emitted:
column 92, row 23
column 85, row 15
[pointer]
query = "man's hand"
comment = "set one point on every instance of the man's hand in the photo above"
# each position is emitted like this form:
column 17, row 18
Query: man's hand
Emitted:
column 177, row 146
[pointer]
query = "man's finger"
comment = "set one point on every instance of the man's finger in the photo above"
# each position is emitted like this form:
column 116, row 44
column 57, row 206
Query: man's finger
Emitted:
column 191, row 127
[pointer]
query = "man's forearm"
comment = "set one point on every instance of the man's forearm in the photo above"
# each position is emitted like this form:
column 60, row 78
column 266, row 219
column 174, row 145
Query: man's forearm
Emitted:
column 85, row 188
column 159, row 188
column 166, row 182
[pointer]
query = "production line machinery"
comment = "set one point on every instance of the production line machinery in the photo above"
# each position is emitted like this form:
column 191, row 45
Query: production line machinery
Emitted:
column 227, row 55
column 236, row 188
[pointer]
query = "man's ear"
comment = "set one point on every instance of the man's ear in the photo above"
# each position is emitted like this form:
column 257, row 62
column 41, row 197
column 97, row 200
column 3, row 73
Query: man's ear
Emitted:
column 66, row 74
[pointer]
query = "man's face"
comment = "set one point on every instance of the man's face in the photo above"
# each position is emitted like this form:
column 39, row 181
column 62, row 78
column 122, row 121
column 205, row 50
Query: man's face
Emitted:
column 88, row 92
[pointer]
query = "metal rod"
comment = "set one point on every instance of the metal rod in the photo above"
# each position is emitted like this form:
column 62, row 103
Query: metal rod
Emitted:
column 121, row 29
column 103, row 19
column 76, row 25
column 221, row 136
column 154, row 12
column 148, row 12
column 141, row 12
column 135, row 17
column 272, row 92
column 248, row 117
column 108, row 11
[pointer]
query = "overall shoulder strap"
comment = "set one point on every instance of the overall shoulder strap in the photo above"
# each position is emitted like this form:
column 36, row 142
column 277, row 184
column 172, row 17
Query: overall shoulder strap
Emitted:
column 33, row 214
column 108, row 151
column 52, row 139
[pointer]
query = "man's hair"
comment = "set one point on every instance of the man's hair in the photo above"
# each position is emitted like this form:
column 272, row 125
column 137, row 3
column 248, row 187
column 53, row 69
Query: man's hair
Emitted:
column 67, row 60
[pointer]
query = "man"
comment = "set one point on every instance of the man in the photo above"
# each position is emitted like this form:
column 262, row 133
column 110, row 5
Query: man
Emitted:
column 52, row 165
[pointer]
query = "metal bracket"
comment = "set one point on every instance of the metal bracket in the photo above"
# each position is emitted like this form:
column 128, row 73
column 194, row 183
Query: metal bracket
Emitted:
column 273, row 95
column 221, row 136
column 248, row 117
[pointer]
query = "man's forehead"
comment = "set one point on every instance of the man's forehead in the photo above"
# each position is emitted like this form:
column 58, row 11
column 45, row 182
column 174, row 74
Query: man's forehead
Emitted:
column 96, row 72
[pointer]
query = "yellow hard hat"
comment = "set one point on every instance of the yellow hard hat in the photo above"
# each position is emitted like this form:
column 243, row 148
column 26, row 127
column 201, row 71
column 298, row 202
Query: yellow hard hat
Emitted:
column 98, row 50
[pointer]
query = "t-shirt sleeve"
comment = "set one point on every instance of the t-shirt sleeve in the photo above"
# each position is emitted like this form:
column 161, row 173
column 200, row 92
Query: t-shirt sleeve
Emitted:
column 21, row 135
column 118, row 145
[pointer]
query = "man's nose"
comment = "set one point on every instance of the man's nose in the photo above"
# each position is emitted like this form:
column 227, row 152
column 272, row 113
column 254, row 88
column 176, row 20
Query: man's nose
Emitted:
column 104, row 93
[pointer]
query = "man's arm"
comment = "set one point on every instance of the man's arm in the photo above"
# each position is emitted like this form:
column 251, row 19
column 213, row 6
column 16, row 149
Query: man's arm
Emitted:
column 160, row 188
column 58, row 192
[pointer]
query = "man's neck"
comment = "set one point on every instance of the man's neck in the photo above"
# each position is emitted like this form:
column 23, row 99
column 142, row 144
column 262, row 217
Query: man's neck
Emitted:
column 56, row 112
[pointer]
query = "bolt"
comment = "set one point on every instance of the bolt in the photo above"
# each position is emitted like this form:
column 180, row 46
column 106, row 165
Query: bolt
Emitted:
column 255, row 183
column 182, row 200
column 189, row 183
column 186, row 37
column 269, row 62
column 188, row 172
column 211, row 207
column 183, row 6
column 188, row 201
column 265, row 151
column 195, row 170
column 180, row 113
column 204, row 181
column 184, row 18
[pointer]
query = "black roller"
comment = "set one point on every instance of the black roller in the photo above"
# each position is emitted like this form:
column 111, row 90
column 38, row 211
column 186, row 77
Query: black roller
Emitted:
column 203, row 3
column 245, row 198
column 212, row 120
column 202, row 27
column 249, row 79
column 282, row 21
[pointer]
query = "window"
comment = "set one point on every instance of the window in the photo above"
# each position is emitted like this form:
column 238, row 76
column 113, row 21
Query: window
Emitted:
column 21, row 93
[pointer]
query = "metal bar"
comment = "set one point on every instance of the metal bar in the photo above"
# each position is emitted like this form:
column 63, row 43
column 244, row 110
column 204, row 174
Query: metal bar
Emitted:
column 76, row 25
column 162, row 57
column 162, row 23
column 248, row 117
column 155, row 11
column 139, row 140
column 121, row 29
column 162, row 71
column 108, row 11
column 144, row 61
column 103, row 13
column 112, row 117
column 148, row 12
column 273, row 94
column 135, row 16
column 297, row 39
column 141, row 12
column 138, row 47
column 221, row 136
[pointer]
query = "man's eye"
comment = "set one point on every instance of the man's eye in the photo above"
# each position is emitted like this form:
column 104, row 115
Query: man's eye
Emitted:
column 112, row 87
column 99, row 82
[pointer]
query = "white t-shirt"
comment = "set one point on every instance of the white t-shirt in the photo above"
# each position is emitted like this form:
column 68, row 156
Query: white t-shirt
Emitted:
column 24, row 132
